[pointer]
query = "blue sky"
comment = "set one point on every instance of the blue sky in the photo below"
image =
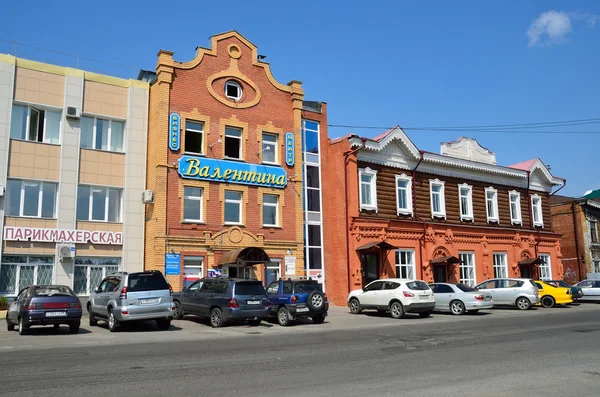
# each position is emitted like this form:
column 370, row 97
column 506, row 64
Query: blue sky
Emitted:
column 435, row 63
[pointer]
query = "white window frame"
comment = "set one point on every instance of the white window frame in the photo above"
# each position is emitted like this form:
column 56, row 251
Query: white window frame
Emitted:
column 538, row 208
column 240, row 138
column 595, row 266
column 500, row 264
column 372, row 187
column 193, row 258
column 409, row 209
column 40, row 198
column 276, row 205
column 496, row 217
column 35, row 270
column 109, row 139
column 546, row 266
column 194, row 198
column 469, row 215
column 442, row 212
column 88, row 289
column 410, row 267
column 195, row 131
column 234, row 84
column 106, row 202
column 471, row 282
column 239, row 202
column 27, row 123
column 515, row 219
column 272, row 147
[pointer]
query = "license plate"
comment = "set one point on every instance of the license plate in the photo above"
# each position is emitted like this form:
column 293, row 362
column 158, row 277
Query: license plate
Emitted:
column 423, row 297
column 56, row 314
column 253, row 302
column 149, row 301
column 302, row 309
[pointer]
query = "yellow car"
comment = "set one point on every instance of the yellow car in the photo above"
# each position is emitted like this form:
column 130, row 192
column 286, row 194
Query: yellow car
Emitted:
column 551, row 295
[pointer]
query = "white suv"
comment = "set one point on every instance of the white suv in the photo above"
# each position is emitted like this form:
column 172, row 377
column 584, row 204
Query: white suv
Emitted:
column 395, row 295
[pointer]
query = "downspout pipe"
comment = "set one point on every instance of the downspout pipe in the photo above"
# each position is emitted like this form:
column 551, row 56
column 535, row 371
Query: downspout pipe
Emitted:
column 414, row 202
column 346, row 155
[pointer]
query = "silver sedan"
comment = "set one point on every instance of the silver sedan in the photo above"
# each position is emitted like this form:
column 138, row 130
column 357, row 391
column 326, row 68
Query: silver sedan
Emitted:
column 459, row 298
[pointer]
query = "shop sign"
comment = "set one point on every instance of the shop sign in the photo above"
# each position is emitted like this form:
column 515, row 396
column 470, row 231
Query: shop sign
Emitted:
column 289, row 149
column 215, row 170
column 175, row 131
column 290, row 265
column 172, row 264
column 211, row 273
column 44, row 235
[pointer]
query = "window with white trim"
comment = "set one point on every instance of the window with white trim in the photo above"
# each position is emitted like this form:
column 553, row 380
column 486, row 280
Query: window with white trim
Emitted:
column 30, row 198
column 467, row 268
column 368, row 188
column 102, row 134
column 35, row 124
column 405, row 264
column 89, row 271
column 233, row 207
column 596, row 266
column 20, row 271
column 269, row 148
column 192, row 204
column 500, row 265
column 193, row 269
column 515, row 207
column 404, row 195
column 194, row 137
column 536, row 210
column 270, row 210
column 233, row 90
column 465, row 193
column 97, row 203
column 233, row 143
column 491, row 204
column 593, row 231
column 438, row 202
column 546, row 267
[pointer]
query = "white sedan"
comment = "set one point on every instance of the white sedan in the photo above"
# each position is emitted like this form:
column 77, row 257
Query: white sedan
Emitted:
column 460, row 298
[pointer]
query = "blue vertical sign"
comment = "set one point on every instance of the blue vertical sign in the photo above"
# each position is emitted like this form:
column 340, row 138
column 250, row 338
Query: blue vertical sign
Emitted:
column 289, row 149
column 172, row 264
column 174, row 131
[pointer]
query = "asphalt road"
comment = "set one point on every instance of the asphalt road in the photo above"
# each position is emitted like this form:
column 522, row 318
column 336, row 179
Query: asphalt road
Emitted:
column 544, row 352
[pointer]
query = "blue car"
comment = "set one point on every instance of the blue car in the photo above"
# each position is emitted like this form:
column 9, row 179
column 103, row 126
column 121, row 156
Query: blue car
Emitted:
column 299, row 298
column 44, row 305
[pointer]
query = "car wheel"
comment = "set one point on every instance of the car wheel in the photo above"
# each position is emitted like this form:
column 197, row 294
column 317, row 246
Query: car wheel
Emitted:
column 283, row 317
column 523, row 303
column 396, row 310
column 354, row 306
column 163, row 325
column 9, row 326
column 23, row 327
column 548, row 301
column 113, row 324
column 316, row 300
column 425, row 314
column 92, row 318
column 457, row 307
column 74, row 327
column 254, row 322
column 178, row 311
column 216, row 318
column 318, row 319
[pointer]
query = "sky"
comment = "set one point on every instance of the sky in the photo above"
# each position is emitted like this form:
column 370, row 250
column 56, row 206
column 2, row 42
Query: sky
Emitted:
column 376, row 64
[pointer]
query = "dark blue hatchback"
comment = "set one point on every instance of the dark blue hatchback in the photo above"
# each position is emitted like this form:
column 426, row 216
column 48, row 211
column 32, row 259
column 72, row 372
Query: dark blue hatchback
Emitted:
column 297, row 298
column 44, row 305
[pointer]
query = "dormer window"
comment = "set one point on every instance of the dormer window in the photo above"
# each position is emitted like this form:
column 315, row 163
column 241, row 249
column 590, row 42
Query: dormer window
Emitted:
column 233, row 90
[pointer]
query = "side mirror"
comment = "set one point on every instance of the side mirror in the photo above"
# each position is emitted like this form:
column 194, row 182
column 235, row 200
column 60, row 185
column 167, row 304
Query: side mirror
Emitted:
column 97, row 290
column 364, row 289
column 184, row 289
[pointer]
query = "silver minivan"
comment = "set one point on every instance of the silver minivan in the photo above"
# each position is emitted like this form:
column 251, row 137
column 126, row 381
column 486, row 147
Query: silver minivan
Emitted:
column 124, row 297
column 519, row 292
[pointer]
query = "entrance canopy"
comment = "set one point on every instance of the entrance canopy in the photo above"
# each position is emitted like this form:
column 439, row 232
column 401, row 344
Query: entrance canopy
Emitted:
column 377, row 244
column 244, row 256
column 445, row 260
column 531, row 261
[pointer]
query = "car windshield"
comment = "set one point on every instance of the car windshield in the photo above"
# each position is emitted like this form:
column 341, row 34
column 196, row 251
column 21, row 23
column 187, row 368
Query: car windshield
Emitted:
column 465, row 288
column 417, row 285
column 146, row 282
column 52, row 291
column 249, row 288
column 307, row 287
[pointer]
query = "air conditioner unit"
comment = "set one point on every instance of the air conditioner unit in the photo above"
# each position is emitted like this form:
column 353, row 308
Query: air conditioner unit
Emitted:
column 73, row 112
column 148, row 196
column 66, row 251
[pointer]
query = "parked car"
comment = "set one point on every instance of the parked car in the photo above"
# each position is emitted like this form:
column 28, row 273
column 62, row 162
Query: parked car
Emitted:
column 551, row 295
column 460, row 298
column 590, row 289
column 127, row 297
column 519, row 292
column 44, row 305
column 398, row 296
column 576, row 292
column 223, row 300
column 297, row 298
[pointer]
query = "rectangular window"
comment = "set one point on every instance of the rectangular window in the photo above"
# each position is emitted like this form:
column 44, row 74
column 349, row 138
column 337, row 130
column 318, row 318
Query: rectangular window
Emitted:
column 546, row 267
column 438, row 203
column 192, row 204
column 194, row 137
column 596, row 266
column 95, row 203
column 20, row 271
column 31, row 198
column 270, row 210
column 102, row 134
column 536, row 210
column 233, row 143
column 465, row 193
column 314, row 246
column 467, row 268
column 368, row 189
column 491, row 200
column 593, row 232
column 233, row 207
column 515, row 207
column 193, row 269
column 35, row 124
column 403, row 194
column 500, row 265
column 405, row 264
column 269, row 148
column 310, row 138
column 89, row 272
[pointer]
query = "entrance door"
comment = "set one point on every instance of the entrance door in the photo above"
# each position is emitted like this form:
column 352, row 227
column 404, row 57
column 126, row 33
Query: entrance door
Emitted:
column 370, row 268
column 525, row 271
column 439, row 274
